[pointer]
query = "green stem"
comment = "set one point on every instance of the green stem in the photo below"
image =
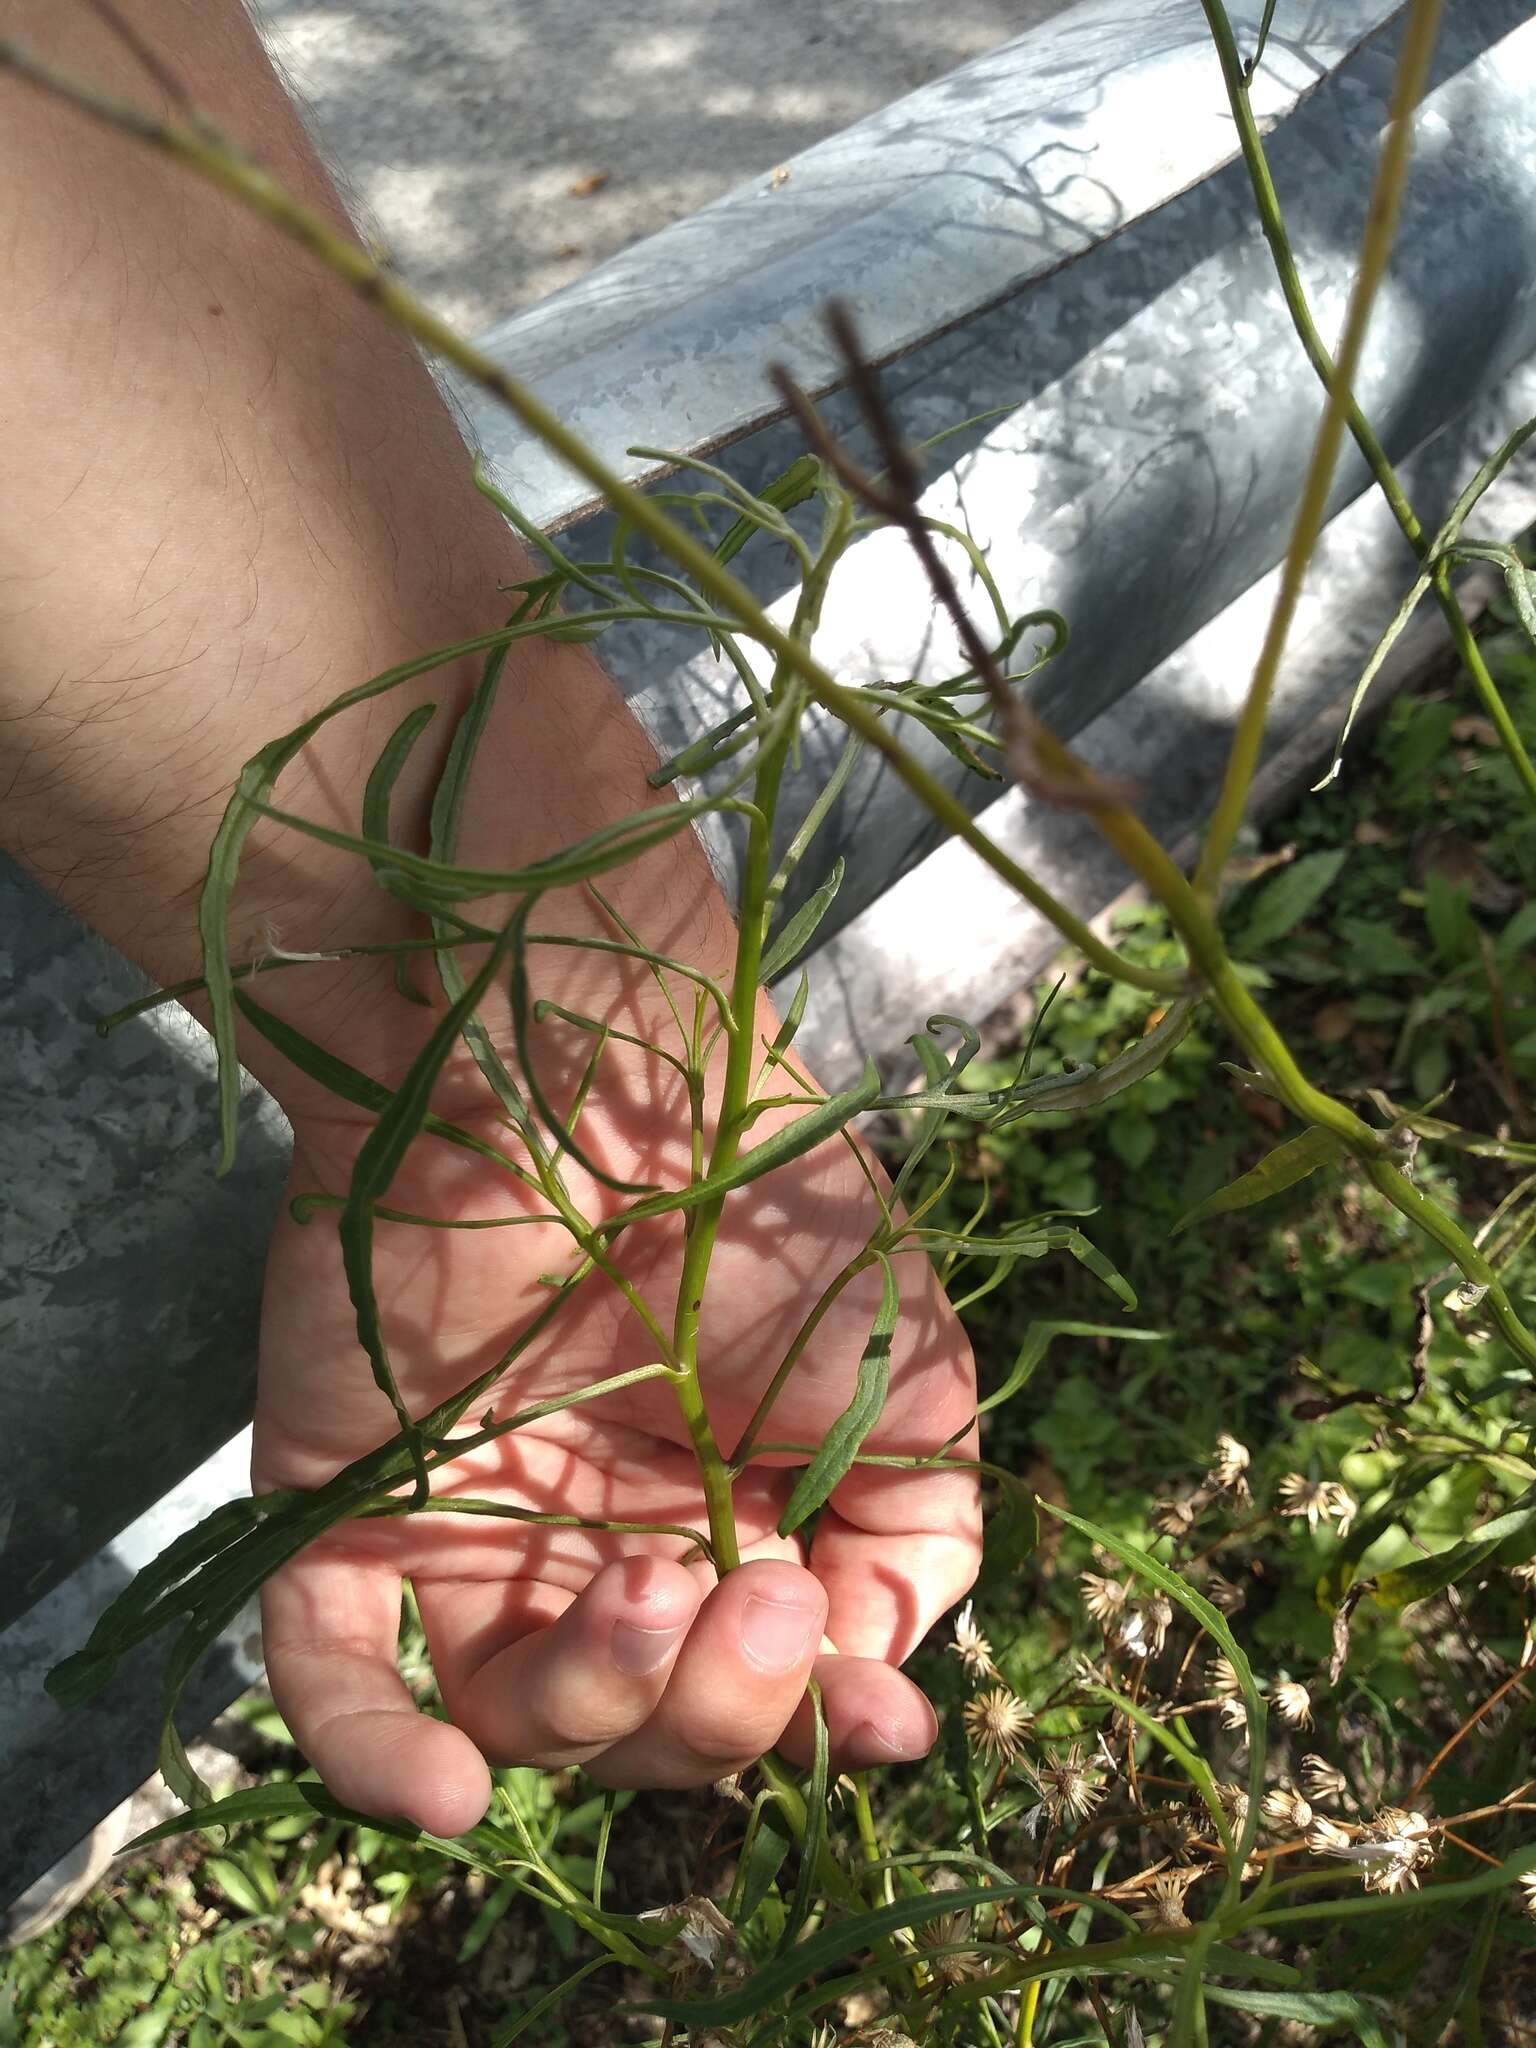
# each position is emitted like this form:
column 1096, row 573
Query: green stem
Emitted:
column 1381, row 223
column 1272, row 221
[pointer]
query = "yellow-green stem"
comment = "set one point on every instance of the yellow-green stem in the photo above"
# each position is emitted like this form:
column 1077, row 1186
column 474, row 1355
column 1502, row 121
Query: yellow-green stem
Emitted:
column 1272, row 221
column 1376, row 245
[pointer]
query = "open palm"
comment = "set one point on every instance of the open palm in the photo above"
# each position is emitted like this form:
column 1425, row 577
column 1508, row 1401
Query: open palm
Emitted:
column 556, row 1645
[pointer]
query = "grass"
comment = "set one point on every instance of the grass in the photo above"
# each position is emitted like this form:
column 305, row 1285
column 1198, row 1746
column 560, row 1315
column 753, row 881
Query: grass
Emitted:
column 1393, row 931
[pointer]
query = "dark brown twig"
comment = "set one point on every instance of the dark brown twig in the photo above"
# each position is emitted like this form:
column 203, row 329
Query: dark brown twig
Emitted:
column 894, row 496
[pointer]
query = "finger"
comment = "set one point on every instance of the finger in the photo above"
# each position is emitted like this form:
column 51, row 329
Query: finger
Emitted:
column 894, row 1550
column 738, row 1679
column 567, row 1687
column 330, row 1624
column 874, row 1714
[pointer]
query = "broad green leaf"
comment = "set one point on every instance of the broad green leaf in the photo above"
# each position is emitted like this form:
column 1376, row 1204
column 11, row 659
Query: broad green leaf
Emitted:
column 233, row 1882
column 797, row 933
column 1285, row 899
column 1012, row 1530
column 1276, row 1171
column 844, row 1440
column 1511, row 1536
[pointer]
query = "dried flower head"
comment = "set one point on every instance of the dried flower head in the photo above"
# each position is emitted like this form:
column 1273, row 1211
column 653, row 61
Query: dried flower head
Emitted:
column 1221, row 1677
column 1395, row 1848
column 1144, row 1628
column 1068, row 1785
column 1176, row 1516
column 1286, row 1811
column 1233, row 1715
column 1228, row 1471
column 971, row 1646
column 1163, row 1911
column 1234, row 1804
column 1223, row 1595
column 730, row 1788
column 1324, row 1783
column 1326, row 1838
column 1528, row 1893
column 704, row 1937
column 1176, row 1829
column 1293, row 1703
column 1104, row 1598
column 1524, row 1575
column 996, row 1723
column 890, row 2037
column 950, row 1931
column 1320, row 1500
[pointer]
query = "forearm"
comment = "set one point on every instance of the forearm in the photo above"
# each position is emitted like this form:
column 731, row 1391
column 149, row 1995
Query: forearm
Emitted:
column 232, row 491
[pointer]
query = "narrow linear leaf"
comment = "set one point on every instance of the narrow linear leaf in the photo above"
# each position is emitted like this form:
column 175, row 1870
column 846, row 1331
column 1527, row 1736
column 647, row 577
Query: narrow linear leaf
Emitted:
column 377, row 1163
column 1038, row 1339
column 1276, row 1171
column 796, row 935
column 791, row 488
column 1101, row 1084
column 815, row 1827
column 845, row 1439
column 763, row 1855
column 1368, row 674
column 516, row 2028
column 1013, row 1530
column 790, row 1143
column 377, row 794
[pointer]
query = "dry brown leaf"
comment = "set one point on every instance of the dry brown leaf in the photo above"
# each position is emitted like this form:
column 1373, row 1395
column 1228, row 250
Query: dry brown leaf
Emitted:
column 1481, row 731
column 1333, row 1022
column 594, row 181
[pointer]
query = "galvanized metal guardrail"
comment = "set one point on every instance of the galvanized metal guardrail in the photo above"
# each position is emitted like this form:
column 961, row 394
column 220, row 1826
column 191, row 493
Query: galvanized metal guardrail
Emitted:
column 1049, row 229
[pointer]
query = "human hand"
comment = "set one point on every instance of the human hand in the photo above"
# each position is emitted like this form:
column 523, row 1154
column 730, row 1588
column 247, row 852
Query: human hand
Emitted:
column 557, row 1645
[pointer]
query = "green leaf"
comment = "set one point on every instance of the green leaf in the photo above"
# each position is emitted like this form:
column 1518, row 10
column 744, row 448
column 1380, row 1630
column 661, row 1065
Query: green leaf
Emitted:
column 1012, row 1532
column 1379, row 653
column 1037, row 1341
column 1276, row 1171
column 844, row 1440
column 1285, row 899
column 1132, row 1137
column 768, row 1845
column 1448, row 913
column 1370, row 947
column 791, row 488
column 790, row 1143
column 815, row 1828
column 549, row 2002
column 1366, row 2019
column 232, row 1881
column 1511, row 1536
column 796, row 935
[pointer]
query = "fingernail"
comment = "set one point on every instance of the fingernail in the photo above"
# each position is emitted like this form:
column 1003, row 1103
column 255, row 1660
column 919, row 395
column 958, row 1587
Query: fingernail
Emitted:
column 775, row 1635
column 638, row 1650
column 901, row 1749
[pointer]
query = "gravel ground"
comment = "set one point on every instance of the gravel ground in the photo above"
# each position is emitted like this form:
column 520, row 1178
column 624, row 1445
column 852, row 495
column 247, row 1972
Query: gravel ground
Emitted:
column 503, row 147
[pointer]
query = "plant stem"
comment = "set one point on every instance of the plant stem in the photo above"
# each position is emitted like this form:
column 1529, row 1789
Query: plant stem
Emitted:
column 1376, row 245
column 1272, row 220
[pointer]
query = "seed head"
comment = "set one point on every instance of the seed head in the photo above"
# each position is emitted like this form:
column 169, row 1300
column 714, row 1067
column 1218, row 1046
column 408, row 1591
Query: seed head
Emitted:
column 1175, row 1828
column 1326, row 1838
column 1229, row 1467
column 1104, row 1598
column 1223, row 1595
column 1395, row 1848
column 1528, row 1893
column 1163, row 1911
column 1286, row 1811
column 1320, row 1500
column 703, row 1939
column 890, row 2037
column 1069, row 1787
column 1144, row 1628
column 996, row 1723
column 1524, row 1575
column 1234, row 1804
column 971, row 1646
column 1233, row 1714
column 1293, row 1703
column 1324, row 1783
column 1221, row 1677
column 1176, row 1516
